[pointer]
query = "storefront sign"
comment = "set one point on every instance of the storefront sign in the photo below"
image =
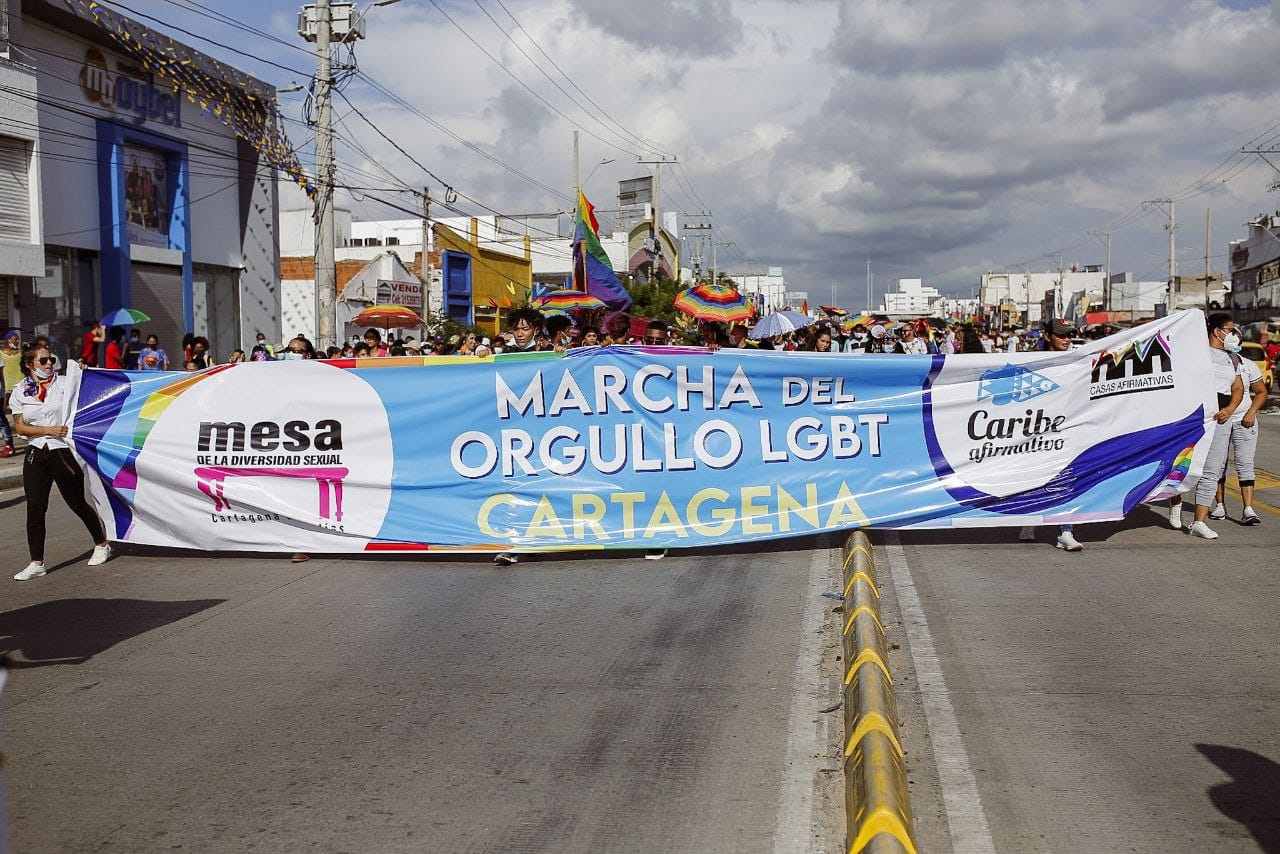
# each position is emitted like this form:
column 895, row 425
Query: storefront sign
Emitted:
column 407, row 294
column 640, row 447
column 126, row 90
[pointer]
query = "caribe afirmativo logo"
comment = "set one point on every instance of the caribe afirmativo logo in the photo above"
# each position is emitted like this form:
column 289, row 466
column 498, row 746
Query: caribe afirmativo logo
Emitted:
column 1141, row 365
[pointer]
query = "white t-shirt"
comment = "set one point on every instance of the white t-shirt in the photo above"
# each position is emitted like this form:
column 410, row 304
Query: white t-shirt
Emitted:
column 1249, row 374
column 54, row 411
column 915, row 347
column 1224, row 370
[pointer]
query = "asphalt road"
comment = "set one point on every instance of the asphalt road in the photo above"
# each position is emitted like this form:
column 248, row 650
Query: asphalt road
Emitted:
column 218, row 703
column 1126, row 698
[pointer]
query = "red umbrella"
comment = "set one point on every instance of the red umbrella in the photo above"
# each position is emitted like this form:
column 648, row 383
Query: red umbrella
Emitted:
column 388, row 317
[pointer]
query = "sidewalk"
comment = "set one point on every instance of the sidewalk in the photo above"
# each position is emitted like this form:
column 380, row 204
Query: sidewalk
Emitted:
column 11, row 468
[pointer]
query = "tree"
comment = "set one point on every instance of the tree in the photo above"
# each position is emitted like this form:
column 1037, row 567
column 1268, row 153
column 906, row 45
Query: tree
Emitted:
column 656, row 298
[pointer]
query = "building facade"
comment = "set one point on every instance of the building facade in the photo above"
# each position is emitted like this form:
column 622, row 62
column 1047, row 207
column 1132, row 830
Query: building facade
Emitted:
column 1255, row 269
column 768, row 288
column 140, row 192
column 1036, row 296
column 912, row 297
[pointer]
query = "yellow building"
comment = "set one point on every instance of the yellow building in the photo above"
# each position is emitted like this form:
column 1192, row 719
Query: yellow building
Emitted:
column 482, row 277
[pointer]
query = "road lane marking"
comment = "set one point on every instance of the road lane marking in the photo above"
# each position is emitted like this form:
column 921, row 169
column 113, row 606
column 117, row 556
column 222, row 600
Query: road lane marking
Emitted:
column 806, row 738
column 966, row 819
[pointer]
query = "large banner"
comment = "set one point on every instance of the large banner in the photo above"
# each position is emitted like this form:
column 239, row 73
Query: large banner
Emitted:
column 630, row 447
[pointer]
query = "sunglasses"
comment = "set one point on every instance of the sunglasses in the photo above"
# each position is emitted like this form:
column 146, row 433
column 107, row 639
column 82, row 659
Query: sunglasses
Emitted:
column 44, row 360
column 657, row 340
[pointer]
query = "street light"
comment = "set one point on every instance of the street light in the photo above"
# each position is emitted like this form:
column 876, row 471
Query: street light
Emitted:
column 603, row 162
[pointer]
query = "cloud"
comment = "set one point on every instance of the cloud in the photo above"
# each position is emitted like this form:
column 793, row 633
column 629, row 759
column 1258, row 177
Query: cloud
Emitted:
column 937, row 137
column 707, row 27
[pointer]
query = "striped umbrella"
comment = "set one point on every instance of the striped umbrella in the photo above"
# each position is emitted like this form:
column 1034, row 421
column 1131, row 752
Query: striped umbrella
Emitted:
column 779, row 323
column 714, row 302
column 388, row 317
column 124, row 317
column 565, row 301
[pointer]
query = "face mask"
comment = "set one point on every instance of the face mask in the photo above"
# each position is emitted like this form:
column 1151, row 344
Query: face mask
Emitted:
column 290, row 355
column 42, row 373
column 888, row 348
column 1231, row 341
column 860, row 337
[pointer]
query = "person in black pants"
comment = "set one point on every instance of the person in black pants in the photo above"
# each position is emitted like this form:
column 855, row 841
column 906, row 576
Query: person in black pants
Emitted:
column 39, row 404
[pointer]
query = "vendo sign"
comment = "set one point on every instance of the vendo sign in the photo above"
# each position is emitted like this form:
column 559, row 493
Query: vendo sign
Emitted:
column 407, row 294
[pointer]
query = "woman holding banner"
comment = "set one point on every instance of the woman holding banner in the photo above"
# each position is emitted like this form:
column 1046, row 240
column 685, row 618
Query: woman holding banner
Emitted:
column 38, row 404
column 1230, row 389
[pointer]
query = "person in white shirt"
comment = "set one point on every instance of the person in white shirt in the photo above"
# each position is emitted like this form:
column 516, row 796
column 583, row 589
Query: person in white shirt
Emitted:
column 1244, row 443
column 1223, row 338
column 40, row 404
column 911, row 344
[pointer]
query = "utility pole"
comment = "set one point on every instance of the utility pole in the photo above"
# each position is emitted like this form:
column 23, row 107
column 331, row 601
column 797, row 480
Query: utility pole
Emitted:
column 657, row 194
column 868, row 286
column 1208, row 239
column 316, row 24
column 1172, row 228
column 698, row 228
column 325, row 268
column 1106, row 282
column 425, row 267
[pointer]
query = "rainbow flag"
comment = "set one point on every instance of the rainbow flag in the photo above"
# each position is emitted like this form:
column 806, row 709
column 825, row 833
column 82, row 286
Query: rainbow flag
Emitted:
column 592, row 269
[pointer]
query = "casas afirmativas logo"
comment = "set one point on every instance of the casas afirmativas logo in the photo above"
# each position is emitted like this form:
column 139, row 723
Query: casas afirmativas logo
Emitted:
column 1144, row 364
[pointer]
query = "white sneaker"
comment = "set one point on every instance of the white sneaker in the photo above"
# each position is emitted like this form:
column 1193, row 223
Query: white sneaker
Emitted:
column 1068, row 543
column 1251, row 518
column 1027, row 534
column 101, row 554
column 33, row 570
column 1219, row 511
column 504, row 559
column 1175, row 517
column 655, row 554
column 1200, row 529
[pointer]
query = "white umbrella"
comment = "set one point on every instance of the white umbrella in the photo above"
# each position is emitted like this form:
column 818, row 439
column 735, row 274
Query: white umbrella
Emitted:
column 779, row 323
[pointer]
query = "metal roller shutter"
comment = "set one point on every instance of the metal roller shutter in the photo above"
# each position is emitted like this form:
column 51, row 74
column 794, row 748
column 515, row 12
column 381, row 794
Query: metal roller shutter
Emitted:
column 157, row 292
column 15, row 189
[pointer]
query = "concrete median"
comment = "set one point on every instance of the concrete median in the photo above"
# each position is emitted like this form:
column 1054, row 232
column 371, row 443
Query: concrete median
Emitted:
column 876, row 796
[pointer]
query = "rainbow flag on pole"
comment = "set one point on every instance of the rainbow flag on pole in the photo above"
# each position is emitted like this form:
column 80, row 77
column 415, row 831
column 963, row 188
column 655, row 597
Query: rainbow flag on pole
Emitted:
column 592, row 269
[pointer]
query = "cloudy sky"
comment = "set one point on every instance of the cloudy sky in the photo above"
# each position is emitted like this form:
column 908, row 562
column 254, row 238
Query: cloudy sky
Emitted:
column 940, row 139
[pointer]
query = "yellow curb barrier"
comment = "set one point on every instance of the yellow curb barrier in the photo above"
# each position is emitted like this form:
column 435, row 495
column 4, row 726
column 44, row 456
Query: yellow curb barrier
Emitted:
column 877, row 802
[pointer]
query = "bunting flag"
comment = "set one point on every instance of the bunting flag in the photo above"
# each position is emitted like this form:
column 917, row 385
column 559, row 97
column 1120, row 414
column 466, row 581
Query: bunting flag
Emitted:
column 592, row 269
column 247, row 106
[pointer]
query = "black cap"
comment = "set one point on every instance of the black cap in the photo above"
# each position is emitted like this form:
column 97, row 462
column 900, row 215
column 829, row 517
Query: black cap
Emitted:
column 1060, row 327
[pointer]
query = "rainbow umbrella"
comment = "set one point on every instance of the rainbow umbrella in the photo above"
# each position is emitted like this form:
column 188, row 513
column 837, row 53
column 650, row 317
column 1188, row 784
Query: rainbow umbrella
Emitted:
column 388, row 317
column 564, row 301
column 124, row 317
column 714, row 302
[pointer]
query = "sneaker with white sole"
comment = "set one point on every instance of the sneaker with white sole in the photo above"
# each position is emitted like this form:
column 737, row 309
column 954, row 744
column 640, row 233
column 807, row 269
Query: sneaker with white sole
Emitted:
column 655, row 554
column 1251, row 517
column 1200, row 529
column 1068, row 543
column 101, row 554
column 1219, row 511
column 33, row 570
column 504, row 559
column 1027, row 534
column 1175, row 518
